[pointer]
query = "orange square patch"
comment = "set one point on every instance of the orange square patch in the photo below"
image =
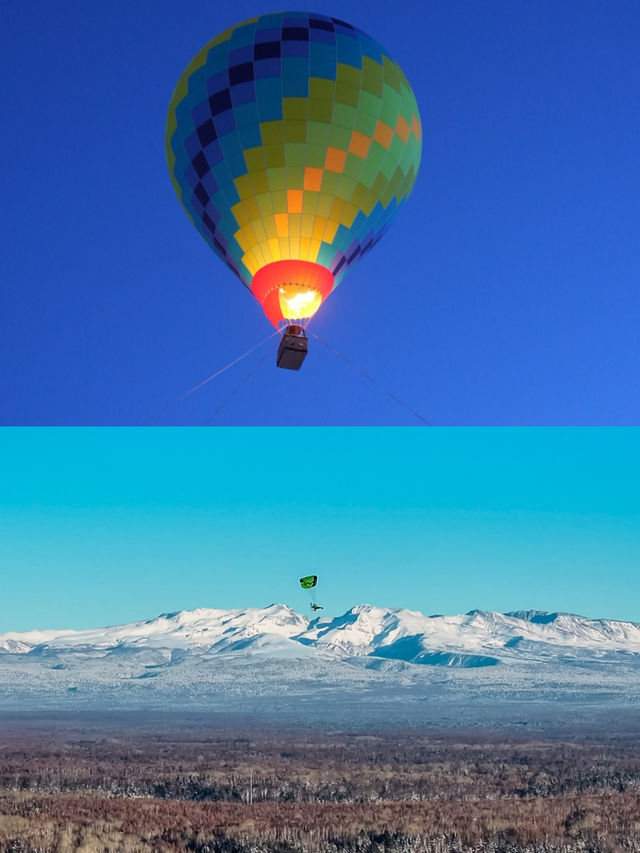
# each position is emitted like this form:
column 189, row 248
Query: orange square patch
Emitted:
column 402, row 128
column 312, row 178
column 335, row 159
column 383, row 134
column 294, row 201
column 359, row 144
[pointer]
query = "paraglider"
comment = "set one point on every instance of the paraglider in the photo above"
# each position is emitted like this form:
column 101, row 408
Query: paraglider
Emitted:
column 310, row 582
column 292, row 141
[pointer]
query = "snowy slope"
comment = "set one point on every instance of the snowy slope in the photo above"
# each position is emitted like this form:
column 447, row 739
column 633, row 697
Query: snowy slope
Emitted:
column 186, row 629
column 363, row 630
column 369, row 660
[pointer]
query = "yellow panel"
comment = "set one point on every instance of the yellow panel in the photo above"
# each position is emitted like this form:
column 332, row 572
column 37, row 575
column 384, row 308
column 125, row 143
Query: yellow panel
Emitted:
column 294, row 246
column 314, row 248
column 305, row 243
column 265, row 251
column 330, row 231
column 274, row 246
column 279, row 201
column 260, row 258
column 260, row 181
column 244, row 186
column 258, row 228
column 251, row 209
column 349, row 214
column 295, row 223
column 265, row 205
column 283, row 242
column 306, row 225
column 239, row 213
column 337, row 208
column 269, row 226
column 325, row 203
column 282, row 224
column 368, row 203
column 246, row 238
column 251, row 263
column 319, row 225
column 309, row 202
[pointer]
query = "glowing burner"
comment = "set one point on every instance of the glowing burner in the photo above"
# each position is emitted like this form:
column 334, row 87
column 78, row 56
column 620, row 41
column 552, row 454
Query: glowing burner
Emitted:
column 298, row 301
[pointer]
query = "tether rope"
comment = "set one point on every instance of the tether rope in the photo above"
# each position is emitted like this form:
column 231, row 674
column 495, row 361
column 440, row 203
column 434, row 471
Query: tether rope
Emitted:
column 239, row 385
column 210, row 378
column 370, row 379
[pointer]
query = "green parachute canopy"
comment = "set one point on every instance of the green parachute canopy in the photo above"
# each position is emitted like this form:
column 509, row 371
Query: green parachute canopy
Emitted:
column 309, row 582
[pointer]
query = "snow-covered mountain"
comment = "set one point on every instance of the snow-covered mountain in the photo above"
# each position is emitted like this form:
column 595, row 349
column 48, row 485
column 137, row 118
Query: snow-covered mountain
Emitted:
column 215, row 658
column 391, row 633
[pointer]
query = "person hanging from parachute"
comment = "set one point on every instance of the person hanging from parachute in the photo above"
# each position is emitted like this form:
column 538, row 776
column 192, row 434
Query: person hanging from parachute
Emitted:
column 309, row 583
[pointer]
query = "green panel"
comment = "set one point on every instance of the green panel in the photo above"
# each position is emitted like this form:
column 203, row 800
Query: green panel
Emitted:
column 274, row 155
column 344, row 116
column 390, row 107
column 296, row 154
column 366, row 123
column 330, row 183
column 272, row 132
column 277, row 178
column 320, row 110
column 295, row 177
column 295, row 131
column 391, row 74
column 346, row 94
column 372, row 76
column 316, row 155
column 340, row 137
column 321, row 89
column 318, row 133
column 295, row 109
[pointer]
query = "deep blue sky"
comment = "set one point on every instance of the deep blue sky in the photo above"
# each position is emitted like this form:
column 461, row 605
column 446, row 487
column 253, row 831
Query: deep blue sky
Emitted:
column 106, row 526
column 516, row 257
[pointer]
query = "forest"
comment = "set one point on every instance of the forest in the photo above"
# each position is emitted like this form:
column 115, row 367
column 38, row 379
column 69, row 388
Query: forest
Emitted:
column 212, row 789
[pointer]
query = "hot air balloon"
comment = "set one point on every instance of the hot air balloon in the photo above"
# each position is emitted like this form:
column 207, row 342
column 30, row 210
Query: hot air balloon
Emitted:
column 292, row 140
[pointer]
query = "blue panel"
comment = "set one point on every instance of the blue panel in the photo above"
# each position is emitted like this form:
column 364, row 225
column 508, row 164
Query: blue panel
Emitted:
column 295, row 48
column 268, row 34
column 245, row 93
column 200, row 113
column 241, row 54
column 270, row 109
column 217, row 81
column 270, row 88
column 349, row 51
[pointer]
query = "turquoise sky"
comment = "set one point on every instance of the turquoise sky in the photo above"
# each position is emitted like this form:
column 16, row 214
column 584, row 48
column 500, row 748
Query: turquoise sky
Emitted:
column 100, row 526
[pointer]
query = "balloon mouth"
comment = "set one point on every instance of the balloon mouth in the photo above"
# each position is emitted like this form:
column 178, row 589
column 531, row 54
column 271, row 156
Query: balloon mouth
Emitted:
column 291, row 290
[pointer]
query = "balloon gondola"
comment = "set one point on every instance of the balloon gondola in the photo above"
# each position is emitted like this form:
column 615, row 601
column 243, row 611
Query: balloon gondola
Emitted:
column 292, row 140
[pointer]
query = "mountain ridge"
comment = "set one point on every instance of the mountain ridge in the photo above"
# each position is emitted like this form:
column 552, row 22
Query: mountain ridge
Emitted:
column 364, row 629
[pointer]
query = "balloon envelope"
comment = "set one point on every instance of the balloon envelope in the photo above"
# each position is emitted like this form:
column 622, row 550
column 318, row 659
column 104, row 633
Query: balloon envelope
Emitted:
column 292, row 141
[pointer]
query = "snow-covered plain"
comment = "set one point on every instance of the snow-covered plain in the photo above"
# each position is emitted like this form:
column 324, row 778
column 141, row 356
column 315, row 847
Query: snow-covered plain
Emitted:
column 370, row 662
